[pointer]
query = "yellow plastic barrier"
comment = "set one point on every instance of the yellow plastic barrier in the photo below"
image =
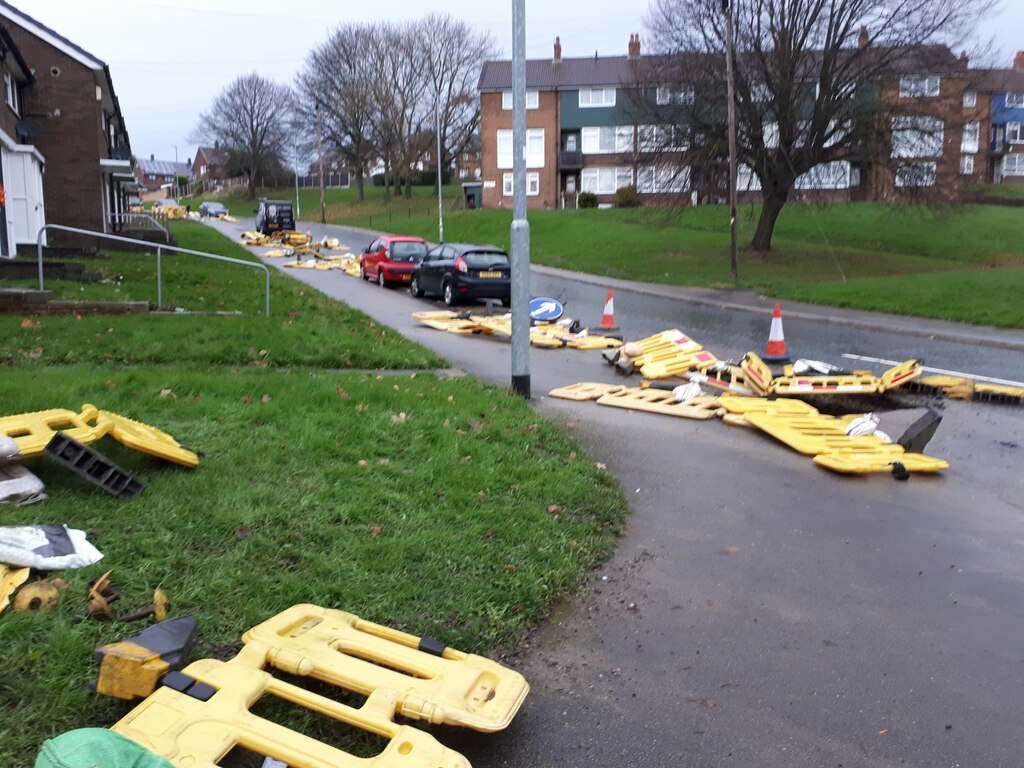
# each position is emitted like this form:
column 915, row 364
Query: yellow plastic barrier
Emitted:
column 779, row 406
column 145, row 438
column 899, row 375
column 663, row 402
column 278, row 253
column 430, row 682
column 863, row 463
column 585, row 390
column 678, row 364
column 852, row 384
column 193, row 733
column 815, row 434
column 32, row 431
column 757, row 373
column 11, row 577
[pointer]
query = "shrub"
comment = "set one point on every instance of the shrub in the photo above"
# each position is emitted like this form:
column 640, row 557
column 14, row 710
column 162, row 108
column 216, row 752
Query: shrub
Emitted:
column 587, row 200
column 625, row 197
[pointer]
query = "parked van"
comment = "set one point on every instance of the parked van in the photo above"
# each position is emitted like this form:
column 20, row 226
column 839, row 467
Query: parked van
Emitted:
column 274, row 215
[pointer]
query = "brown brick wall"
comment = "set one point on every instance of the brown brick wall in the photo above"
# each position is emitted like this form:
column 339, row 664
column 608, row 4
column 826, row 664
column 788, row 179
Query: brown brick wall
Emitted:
column 71, row 143
column 492, row 119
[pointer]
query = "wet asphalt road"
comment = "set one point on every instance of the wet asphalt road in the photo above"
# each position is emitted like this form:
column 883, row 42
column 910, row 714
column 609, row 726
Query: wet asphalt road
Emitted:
column 760, row 611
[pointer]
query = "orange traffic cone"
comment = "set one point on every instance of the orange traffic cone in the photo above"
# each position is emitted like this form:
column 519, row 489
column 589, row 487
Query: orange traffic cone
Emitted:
column 608, row 318
column 775, row 352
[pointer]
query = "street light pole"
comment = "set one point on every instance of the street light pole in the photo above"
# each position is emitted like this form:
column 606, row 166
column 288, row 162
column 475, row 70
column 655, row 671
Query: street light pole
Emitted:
column 731, row 95
column 320, row 151
column 298, row 209
column 440, row 203
column 520, row 226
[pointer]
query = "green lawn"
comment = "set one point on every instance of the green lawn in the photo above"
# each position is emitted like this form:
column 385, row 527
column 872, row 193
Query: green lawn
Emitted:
column 441, row 506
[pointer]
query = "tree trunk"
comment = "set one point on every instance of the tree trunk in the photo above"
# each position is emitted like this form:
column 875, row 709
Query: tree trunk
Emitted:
column 770, row 210
column 360, row 194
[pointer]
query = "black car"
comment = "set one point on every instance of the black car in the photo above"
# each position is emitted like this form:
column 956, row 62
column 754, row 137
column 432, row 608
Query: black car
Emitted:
column 212, row 209
column 458, row 271
column 274, row 215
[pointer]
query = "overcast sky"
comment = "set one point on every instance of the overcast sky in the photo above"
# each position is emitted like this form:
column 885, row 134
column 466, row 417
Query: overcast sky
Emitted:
column 170, row 58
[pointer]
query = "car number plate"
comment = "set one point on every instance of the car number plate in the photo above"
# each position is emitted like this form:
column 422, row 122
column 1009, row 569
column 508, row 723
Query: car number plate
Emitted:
column 494, row 273
column 407, row 277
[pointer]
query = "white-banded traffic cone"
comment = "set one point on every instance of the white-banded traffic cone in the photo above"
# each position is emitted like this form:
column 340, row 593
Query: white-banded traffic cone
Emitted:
column 775, row 352
column 608, row 318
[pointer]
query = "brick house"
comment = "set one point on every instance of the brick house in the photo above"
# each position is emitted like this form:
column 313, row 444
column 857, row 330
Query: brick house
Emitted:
column 588, row 130
column 1003, row 91
column 22, row 212
column 153, row 174
column 467, row 162
column 209, row 164
column 81, row 132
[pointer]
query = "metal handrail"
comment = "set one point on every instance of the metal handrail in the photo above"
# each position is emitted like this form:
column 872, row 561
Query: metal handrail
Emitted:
column 123, row 217
column 159, row 248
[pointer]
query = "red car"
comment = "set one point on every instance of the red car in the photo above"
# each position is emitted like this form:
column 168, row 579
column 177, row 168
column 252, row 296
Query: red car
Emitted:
column 390, row 259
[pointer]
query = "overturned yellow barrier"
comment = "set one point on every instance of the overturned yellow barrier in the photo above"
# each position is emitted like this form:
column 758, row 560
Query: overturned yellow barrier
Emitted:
column 199, row 726
column 545, row 335
column 859, row 463
column 32, row 431
column 586, row 390
column 429, row 681
column 147, row 439
column 663, row 402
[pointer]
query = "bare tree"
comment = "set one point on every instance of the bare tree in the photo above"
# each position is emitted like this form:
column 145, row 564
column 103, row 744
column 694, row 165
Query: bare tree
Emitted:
column 249, row 120
column 809, row 80
column 337, row 77
column 454, row 55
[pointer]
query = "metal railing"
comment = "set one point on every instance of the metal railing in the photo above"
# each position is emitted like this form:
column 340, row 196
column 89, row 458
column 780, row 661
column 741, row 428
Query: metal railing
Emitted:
column 159, row 250
column 139, row 221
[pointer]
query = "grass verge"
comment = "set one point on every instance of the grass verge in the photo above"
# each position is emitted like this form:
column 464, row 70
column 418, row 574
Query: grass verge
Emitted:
column 440, row 506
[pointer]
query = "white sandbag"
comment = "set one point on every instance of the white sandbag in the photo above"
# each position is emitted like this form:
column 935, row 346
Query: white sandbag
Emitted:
column 46, row 547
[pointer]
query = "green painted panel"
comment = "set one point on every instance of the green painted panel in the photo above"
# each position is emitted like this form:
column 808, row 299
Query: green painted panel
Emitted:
column 575, row 117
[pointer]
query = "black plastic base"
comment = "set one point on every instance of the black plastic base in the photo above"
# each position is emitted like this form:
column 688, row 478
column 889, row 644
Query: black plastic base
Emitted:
column 91, row 465
column 521, row 386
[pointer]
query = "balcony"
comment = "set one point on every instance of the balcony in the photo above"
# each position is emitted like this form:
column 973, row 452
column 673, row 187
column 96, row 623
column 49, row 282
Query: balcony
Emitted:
column 997, row 146
column 570, row 161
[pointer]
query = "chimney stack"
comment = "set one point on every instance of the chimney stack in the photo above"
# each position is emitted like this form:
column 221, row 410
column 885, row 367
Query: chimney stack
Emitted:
column 1018, row 62
column 152, row 158
column 558, row 51
column 863, row 40
column 963, row 59
column 634, row 46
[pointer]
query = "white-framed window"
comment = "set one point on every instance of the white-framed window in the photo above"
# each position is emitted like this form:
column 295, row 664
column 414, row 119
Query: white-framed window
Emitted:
column 967, row 165
column 597, row 97
column 534, row 148
column 916, row 86
column 674, row 95
column 11, row 93
column 606, row 139
column 917, row 137
column 1015, row 133
column 760, row 93
column 604, row 181
column 1015, row 100
column 532, row 99
column 532, row 184
column 662, row 179
column 662, row 138
column 746, row 179
column 916, row 175
column 1013, row 165
column 771, row 135
column 969, row 137
column 834, row 175
column 970, row 98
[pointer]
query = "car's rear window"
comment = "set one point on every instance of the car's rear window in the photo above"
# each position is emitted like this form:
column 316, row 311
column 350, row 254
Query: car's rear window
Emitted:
column 485, row 259
column 402, row 251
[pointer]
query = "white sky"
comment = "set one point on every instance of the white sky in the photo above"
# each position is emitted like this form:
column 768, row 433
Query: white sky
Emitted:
column 170, row 58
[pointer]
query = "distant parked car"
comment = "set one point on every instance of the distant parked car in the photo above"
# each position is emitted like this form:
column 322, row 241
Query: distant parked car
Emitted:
column 391, row 259
column 458, row 271
column 212, row 209
column 274, row 215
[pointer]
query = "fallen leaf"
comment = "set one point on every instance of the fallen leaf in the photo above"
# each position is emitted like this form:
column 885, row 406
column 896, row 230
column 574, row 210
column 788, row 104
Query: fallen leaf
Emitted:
column 243, row 532
column 554, row 509
column 28, row 322
column 830, row 643
column 342, row 393
column 488, row 534
column 710, row 603
column 362, row 408
column 110, row 385
column 168, row 393
column 451, row 399
column 263, row 353
column 729, row 551
column 706, row 703
column 246, row 398
column 398, row 418
column 572, row 456
column 383, row 462
column 465, row 460
column 511, row 568
column 364, row 463
column 265, row 399
column 375, row 531
column 883, row 732
column 440, row 494
column 600, row 465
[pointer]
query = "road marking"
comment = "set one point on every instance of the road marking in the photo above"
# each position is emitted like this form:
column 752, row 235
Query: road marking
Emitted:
column 974, row 376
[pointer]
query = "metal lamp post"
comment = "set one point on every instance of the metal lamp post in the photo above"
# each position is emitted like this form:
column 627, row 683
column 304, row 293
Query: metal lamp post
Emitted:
column 731, row 95
column 520, row 231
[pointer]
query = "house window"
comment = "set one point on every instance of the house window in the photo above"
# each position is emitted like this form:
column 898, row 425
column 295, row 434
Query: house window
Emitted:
column 674, row 95
column 967, row 165
column 916, row 175
column 1015, row 133
column 532, row 99
column 662, row 138
column 746, row 179
column 534, row 148
column 606, row 139
column 771, row 135
column 597, row 97
column 604, row 181
column 834, row 175
column 969, row 138
column 916, row 86
column 202, row 170
column 1013, row 165
column 11, row 92
column 970, row 98
column 662, row 179
column 760, row 93
column 917, row 137
column 532, row 184
column 1015, row 100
